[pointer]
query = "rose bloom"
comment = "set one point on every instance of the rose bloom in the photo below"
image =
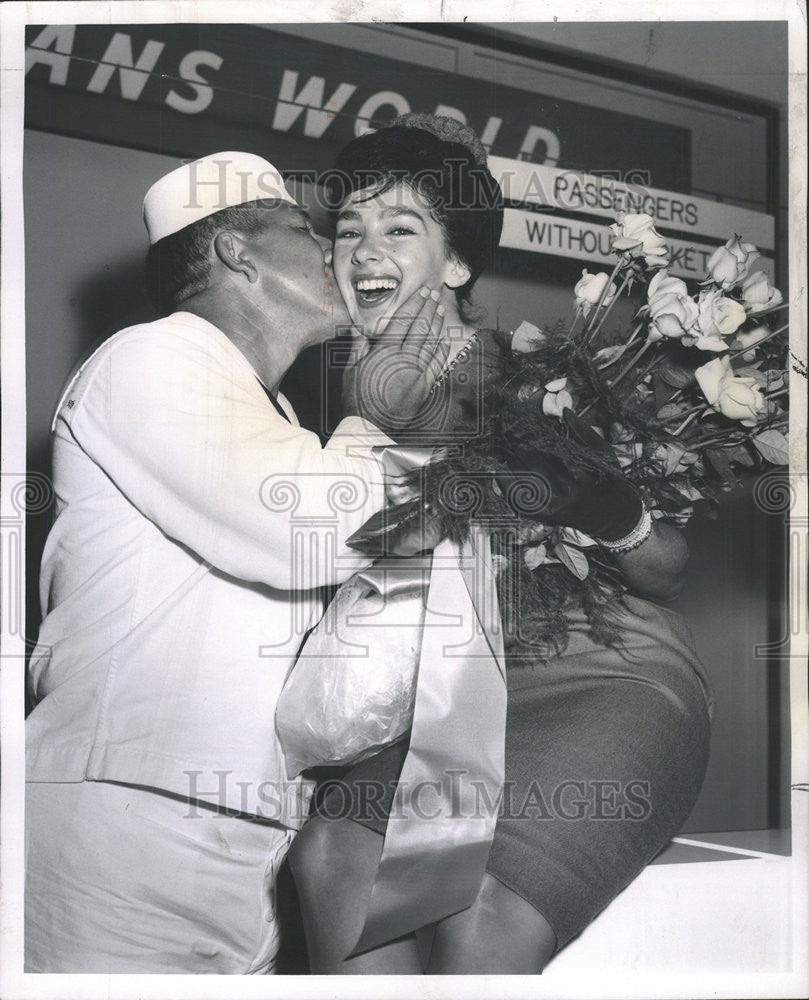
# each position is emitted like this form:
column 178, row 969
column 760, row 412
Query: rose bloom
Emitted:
column 556, row 398
column 750, row 339
column 730, row 264
column 673, row 312
column 663, row 284
column 637, row 236
column 718, row 317
column 590, row 288
column 526, row 337
column 536, row 555
column 736, row 397
column 758, row 294
column 673, row 316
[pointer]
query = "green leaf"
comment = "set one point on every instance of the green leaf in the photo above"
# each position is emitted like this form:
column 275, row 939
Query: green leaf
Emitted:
column 718, row 458
column 670, row 410
column 572, row 559
column 608, row 355
column 751, row 371
column 576, row 537
column 674, row 452
column 741, row 455
column 773, row 446
column 685, row 488
column 677, row 375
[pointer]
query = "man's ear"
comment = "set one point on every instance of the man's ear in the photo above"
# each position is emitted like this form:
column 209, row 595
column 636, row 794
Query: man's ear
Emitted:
column 234, row 253
column 456, row 274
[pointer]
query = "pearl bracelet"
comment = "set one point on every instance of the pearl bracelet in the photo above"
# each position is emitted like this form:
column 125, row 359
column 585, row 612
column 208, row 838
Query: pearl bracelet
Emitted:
column 636, row 537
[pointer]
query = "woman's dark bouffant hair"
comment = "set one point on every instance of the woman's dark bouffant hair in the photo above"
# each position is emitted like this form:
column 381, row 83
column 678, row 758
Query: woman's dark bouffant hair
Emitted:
column 442, row 161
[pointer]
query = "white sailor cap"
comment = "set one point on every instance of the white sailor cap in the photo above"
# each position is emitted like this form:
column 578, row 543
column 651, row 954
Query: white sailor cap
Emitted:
column 198, row 189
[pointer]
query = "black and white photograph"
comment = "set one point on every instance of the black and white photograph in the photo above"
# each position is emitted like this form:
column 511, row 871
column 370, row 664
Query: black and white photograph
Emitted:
column 404, row 500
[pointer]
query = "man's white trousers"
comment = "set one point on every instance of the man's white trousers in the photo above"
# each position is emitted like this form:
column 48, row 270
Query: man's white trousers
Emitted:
column 122, row 878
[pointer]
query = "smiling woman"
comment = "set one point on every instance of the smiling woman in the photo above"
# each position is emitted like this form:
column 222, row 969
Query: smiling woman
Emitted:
column 403, row 225
column 587, row 708
column 387, row 245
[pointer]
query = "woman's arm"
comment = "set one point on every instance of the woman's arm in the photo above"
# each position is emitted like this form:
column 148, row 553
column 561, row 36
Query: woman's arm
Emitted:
column 656, row 569
column 613, row 512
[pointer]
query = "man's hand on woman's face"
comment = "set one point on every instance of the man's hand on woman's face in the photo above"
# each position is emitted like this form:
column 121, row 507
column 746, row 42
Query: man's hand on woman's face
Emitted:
column 388, row 381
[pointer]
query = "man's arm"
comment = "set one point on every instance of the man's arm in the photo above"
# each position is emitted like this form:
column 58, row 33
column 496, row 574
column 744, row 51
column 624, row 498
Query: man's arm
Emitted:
column 187, row 436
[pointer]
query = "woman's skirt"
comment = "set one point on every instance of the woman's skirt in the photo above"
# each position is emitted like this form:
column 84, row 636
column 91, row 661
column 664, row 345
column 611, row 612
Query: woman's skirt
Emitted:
column 605, row 753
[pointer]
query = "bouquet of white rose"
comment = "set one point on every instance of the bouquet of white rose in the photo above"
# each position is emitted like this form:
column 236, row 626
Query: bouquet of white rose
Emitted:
column 694, row 390
column 678, row 423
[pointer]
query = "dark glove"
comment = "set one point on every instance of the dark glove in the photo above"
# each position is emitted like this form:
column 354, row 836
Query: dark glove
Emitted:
column 601, row 504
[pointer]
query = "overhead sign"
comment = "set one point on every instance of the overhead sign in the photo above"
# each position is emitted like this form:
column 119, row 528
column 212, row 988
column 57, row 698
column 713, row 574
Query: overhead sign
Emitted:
column 189, row 89
column 605, row 195
column 564, row 237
